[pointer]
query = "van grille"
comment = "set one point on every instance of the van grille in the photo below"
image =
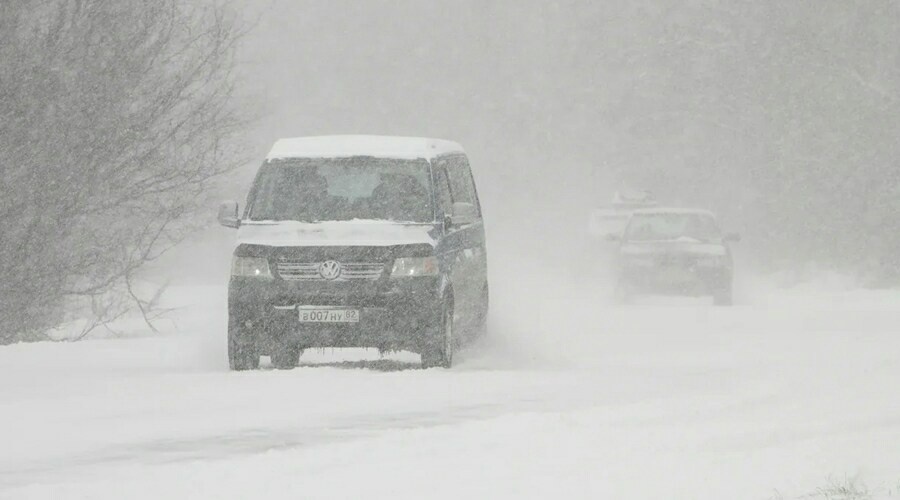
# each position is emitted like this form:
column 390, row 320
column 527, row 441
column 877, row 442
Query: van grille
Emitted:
column 309, row 271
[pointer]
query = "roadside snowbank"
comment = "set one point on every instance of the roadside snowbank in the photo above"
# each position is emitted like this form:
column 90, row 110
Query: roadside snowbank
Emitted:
column 568, row 397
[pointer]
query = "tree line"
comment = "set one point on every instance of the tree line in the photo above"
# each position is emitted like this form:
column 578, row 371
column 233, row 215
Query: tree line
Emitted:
column 115, row 117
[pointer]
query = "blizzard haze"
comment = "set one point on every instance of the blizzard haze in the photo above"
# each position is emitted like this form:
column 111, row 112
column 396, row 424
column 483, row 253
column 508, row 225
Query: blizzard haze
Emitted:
column 779, row 117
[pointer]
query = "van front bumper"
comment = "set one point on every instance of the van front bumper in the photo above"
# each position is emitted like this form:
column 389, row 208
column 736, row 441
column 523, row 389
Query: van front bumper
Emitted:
column 394, row 314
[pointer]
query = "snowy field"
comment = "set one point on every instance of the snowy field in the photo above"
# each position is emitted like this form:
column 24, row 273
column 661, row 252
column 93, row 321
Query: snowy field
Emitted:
column 785, row 393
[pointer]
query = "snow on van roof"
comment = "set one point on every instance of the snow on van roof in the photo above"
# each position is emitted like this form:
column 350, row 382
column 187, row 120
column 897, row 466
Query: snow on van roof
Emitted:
column 669, row 210
column 343, row 146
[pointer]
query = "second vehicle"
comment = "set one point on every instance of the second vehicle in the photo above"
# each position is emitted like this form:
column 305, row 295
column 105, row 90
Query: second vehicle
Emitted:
column 674, row 251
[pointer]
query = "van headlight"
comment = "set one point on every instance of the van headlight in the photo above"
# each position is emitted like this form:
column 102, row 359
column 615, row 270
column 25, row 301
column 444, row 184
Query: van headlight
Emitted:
column 250, row 267
column 406, row 267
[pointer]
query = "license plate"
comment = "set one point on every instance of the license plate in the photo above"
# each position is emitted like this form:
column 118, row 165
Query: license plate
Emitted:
column 329, row 315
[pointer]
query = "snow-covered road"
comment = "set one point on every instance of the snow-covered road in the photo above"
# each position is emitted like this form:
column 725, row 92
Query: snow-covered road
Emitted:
column 569, row 398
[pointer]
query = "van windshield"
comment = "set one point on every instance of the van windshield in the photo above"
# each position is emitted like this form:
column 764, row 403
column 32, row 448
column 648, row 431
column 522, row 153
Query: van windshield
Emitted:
column 340, row 189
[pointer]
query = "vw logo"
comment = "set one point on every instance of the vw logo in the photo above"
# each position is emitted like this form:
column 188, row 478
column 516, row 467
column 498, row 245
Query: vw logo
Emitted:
column 330, row 270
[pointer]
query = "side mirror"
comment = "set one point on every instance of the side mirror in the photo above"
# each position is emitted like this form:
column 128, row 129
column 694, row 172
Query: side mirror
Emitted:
column 228, row 214
column 613, row 237
column 463, row 214
column 732, row 237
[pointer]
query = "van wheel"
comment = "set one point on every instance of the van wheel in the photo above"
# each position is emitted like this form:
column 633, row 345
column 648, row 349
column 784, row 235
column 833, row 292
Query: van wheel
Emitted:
column 285, row 357
column 242, row 351
column 480, row 329
column 441, row 354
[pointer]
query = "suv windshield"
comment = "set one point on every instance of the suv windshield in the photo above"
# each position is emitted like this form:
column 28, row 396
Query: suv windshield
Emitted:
column 340, row 189
column 672, row 226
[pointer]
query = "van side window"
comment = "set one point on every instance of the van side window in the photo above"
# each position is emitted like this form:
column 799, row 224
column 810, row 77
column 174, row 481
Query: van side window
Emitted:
column 461, row 184
column 442, row 187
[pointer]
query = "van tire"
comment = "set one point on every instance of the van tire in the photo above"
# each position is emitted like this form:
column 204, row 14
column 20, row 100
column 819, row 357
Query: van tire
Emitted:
column 242, row 352
column 480, row 329
column 285, row 357
column 440, row 354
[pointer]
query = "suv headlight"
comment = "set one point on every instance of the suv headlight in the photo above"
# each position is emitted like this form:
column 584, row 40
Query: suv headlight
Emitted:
column 250, row 267
column 406, row 267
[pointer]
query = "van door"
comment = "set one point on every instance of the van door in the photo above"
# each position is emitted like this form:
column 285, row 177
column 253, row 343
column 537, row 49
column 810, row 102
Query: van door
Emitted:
column 469, row 260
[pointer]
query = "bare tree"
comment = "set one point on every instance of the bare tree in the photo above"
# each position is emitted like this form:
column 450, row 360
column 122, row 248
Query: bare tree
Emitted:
column 115, row 116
